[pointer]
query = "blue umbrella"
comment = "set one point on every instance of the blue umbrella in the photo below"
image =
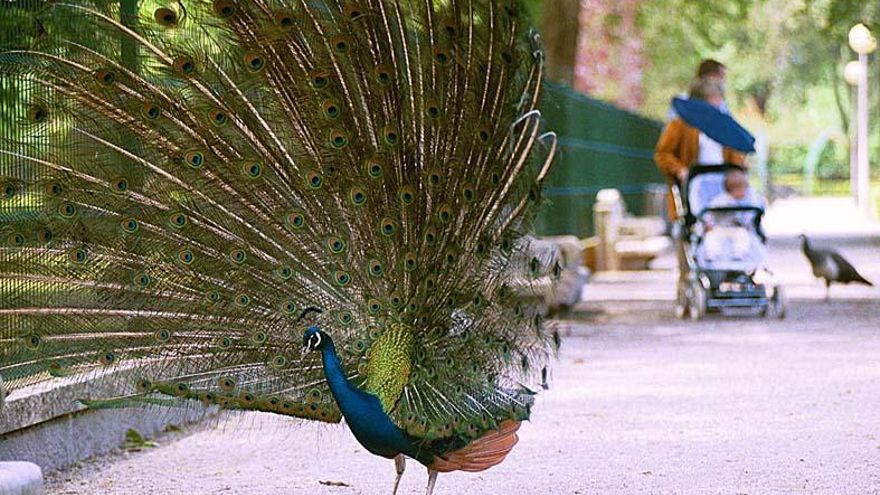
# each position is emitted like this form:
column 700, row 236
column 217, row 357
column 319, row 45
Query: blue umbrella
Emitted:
column 714, row 123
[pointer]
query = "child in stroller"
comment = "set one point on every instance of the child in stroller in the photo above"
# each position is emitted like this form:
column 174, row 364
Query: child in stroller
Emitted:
column 723, row 247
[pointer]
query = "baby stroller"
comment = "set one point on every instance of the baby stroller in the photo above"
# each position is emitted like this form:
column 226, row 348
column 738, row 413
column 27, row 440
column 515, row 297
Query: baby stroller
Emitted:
column 713, row 279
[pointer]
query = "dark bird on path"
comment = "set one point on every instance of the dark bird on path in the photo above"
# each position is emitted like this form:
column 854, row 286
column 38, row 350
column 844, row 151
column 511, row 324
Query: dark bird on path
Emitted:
column 194, row 179
column 831, row 266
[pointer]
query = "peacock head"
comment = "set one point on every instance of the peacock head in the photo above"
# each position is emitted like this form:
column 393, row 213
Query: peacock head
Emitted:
column 314, row 340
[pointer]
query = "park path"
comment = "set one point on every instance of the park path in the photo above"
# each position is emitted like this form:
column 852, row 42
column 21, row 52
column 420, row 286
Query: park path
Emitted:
column 640, row 403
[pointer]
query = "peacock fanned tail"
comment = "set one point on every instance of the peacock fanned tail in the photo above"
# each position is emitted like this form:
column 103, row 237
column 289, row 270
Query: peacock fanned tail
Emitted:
column 185, row 182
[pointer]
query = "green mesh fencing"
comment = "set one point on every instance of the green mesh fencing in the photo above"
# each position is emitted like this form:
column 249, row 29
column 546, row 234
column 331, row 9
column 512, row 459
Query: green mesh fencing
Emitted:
column 600, row 146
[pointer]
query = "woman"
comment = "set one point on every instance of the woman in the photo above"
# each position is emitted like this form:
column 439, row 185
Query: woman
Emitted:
column 681, row 146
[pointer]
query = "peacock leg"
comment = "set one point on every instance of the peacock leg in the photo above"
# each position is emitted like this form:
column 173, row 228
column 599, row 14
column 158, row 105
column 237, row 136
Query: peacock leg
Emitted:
column 827, row 289
column 399, row 465
column 432, row 478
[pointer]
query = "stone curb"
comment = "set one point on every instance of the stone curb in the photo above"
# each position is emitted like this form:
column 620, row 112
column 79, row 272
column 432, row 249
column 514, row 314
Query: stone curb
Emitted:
column 21, row 478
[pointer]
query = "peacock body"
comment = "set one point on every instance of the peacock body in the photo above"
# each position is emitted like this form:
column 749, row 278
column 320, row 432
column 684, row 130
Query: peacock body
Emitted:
column 189, row 182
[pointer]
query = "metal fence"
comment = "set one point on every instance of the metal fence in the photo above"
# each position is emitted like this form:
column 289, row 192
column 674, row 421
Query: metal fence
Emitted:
column 600, row 146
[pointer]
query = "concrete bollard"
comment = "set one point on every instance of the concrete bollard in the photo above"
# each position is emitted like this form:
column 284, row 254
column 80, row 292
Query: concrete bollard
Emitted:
column 607, row 216
column 21, row 478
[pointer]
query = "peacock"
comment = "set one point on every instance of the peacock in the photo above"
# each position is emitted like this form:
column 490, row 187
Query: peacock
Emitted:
column 314, row 208
column 831, row 266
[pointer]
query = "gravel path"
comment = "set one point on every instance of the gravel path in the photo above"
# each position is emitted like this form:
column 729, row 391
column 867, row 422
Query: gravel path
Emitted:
column 640, row 403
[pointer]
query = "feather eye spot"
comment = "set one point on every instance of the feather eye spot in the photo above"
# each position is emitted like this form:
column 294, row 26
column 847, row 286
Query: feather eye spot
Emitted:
column 391, row 135
column 335, row 245
column 278, row 362
column 430, row 282
column 185, row 65
column 225, row 342
column 130, row 226
column 46, row 235
column 284, row 19
column 344, row 317
column 296, row 220
column 467, row 192
column 338, row 139
column 54, row 189
column 165, row 17
column 151, row 111
column 120, row 184
column 16, row 239
column 342, row 278
column 218, row 117
column 242, row 300
column 226, row 383
column 77, row 255
column 237, row 256
column 442, row 56
column 260, row 337
column 224, row 8
column 410, row 262
column 534, row 266
column 376, row 268
column 37, row 114
column 144, row 386
column 195, row 159
column 252, row 170
column 387, row 227
column 331, row 109
column 142, row 280
column 358, row 196
column 407, row 195
column 434, row 178
column 163, row 335
column 374, row 306
column 534, row 193
column 374, row 169
column 339, row 43
column 107, row 358
column 9, row 190
column 177, row 220
column 444, row 213
column 430, row 237
column 67, row 210
column 383, row 75
column 104, row 77
column 32, row 342
column 433, row 110
column 496, row 179
column 185, row 257
column 396, row 300
column 319, row 79
column 285, row 272
column 213, row 296
column 314, row 180
column 507, row 57
column 484, row 135
column 289, row 307
column 254, row 62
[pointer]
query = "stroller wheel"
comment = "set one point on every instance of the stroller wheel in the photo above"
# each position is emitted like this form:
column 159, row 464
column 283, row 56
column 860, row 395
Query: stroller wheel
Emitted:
column 697, row 301
column 776, row 306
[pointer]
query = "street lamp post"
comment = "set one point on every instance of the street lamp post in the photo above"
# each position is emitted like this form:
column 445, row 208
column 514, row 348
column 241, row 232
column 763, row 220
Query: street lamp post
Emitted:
column 862, row 42
column 852, row 73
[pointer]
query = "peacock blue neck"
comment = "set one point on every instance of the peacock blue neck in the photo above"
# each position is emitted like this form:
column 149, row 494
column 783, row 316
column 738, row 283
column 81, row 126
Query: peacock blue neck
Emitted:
column 364, row 414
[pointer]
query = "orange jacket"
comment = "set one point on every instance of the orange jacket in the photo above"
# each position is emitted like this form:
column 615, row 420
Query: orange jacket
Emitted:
column 677, row 149
column 679, row 146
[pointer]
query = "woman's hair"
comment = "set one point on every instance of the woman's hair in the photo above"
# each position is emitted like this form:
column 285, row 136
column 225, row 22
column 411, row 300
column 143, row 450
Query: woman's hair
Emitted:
column 706, row 87
column 710, row 67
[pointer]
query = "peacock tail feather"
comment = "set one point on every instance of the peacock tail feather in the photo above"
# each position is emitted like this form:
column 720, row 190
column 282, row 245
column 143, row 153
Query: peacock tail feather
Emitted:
column 380, row 160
